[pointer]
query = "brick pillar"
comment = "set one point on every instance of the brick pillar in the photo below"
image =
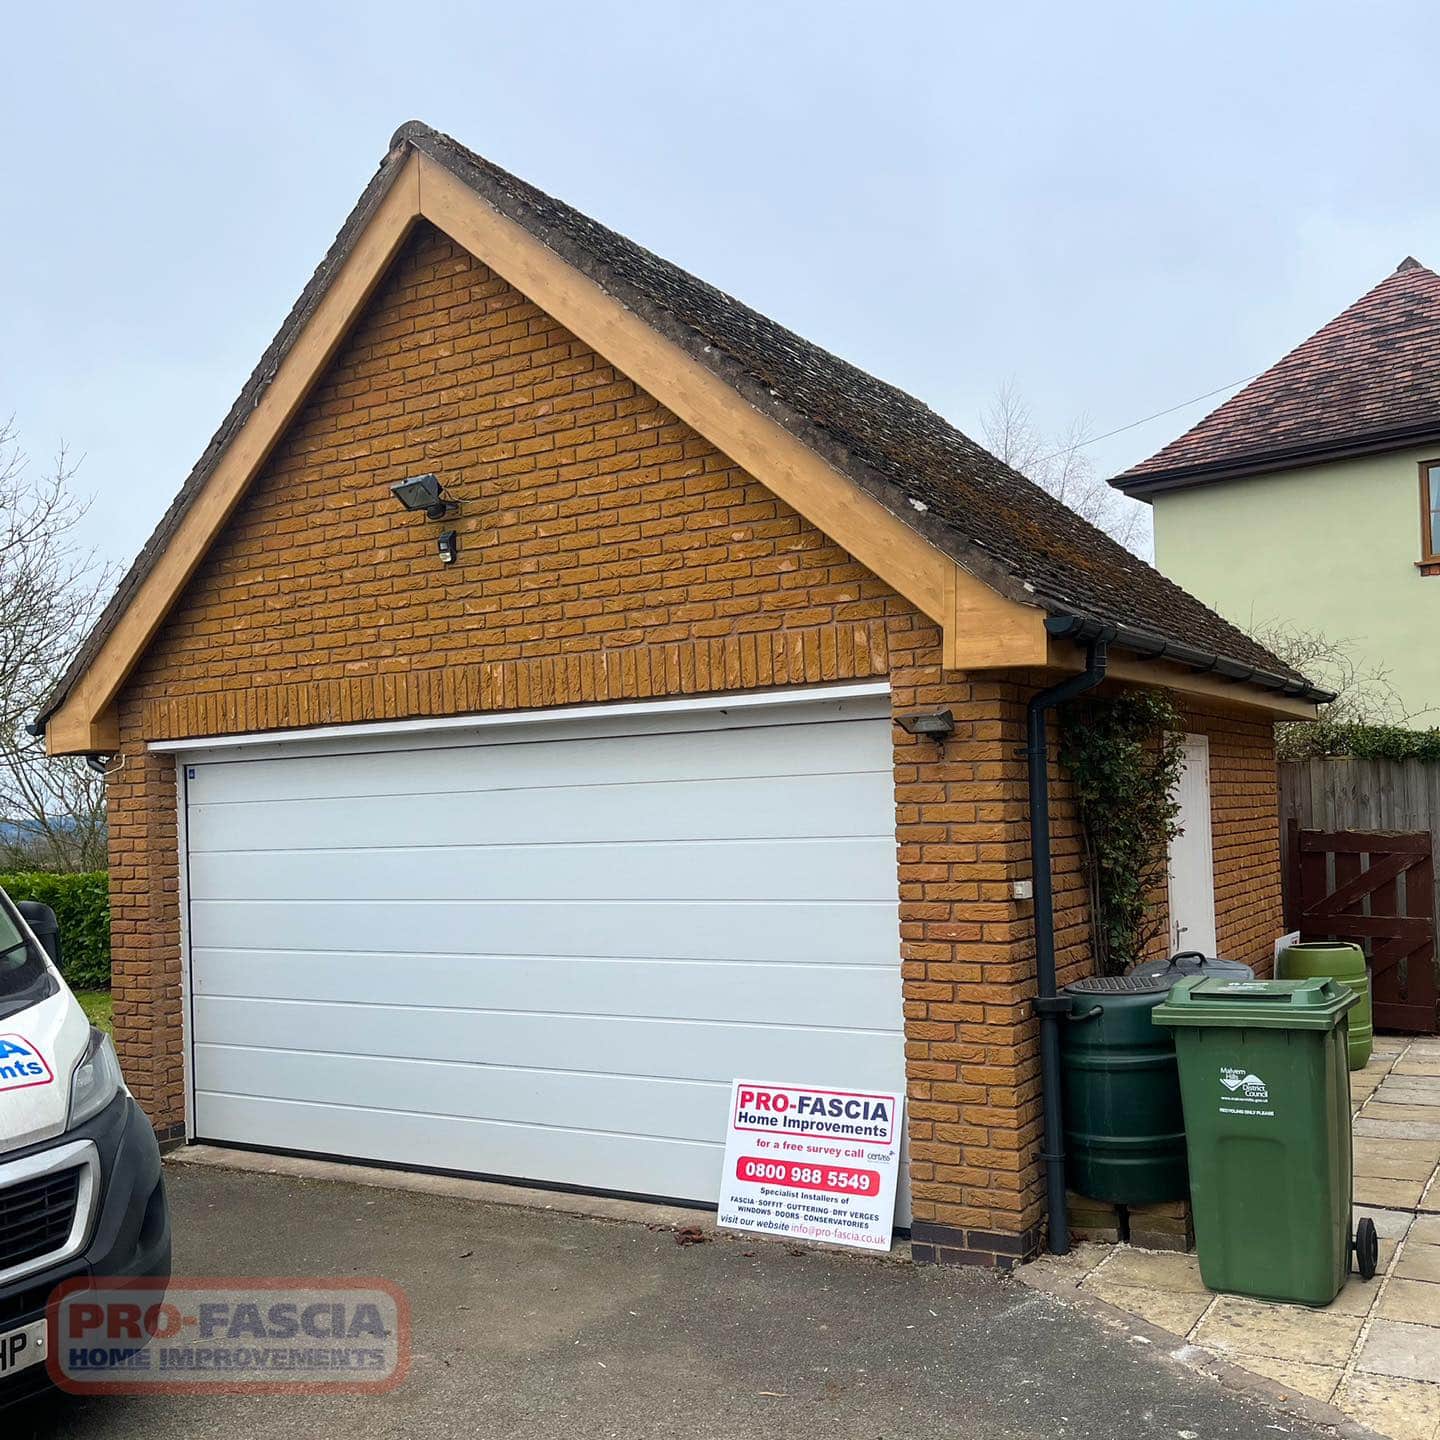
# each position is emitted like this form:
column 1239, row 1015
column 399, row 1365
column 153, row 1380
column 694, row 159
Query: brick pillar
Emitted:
column 968, row 967
column 144, row 933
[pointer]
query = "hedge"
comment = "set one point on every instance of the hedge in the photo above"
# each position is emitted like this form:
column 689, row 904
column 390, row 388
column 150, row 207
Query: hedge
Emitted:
column 82, row 906
column 1326, row 738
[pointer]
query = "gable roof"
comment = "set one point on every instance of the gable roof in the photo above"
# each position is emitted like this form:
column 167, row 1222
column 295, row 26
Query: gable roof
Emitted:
column 969, row 506
column 1367, row 381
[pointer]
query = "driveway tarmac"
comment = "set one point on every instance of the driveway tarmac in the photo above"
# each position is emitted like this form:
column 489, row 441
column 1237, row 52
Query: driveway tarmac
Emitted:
column 538, row 1324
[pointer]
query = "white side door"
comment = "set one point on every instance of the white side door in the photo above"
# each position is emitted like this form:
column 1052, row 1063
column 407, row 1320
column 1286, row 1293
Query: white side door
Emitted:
column 1192, row 856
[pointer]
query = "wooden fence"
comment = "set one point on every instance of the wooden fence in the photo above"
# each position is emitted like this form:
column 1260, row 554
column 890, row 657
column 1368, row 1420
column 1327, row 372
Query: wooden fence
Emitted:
column 1357, row 838
column 1360, row 795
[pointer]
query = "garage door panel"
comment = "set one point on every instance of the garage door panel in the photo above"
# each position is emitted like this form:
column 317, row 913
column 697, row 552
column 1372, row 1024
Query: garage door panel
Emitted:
column 841, row 933
column 664, row 1049
column 624, row 1104
column 543, row 954
column 678, row 1169
column 788, row 807
column 848, row 869
column 758, row 991
column 700, row 754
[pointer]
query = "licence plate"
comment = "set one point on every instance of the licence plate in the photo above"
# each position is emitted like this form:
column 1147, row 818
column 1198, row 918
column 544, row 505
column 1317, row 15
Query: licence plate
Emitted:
column 22, row 1348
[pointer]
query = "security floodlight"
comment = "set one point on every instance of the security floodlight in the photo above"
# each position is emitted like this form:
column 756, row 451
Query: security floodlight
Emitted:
column 423, row 492
column 938, row 727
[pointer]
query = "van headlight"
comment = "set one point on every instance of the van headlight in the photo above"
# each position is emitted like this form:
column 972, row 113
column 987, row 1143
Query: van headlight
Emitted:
column 96, row 1081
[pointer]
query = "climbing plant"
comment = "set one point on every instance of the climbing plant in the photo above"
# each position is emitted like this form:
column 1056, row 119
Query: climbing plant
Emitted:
column 1124, row 755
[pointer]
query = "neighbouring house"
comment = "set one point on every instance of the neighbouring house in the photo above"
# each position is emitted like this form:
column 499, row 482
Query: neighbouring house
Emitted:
column 498, row 837
column 1311, row 498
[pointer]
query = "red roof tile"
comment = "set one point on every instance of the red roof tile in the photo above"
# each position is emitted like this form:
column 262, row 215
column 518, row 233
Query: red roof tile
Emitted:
column 1369, row 378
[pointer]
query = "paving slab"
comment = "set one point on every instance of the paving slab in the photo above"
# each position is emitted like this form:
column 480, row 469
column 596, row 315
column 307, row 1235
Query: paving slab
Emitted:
column 1356, row 1297
column 1420, row 1262
column 1317, row 1381
column 1397, row 1159
column 1425, row 1230
column 1404, row 1095
column 1394, row 1347
column 1283, row 1332
column 1418, row 1082
column 1396, row 1194
column 1416, row 1301
column 1173, row 1310
column 1154, row 1270
column 1417, row 1065
column 1404, row 1111
column 1391, row 1127
column 1401, row 1409
column 1389, row 1224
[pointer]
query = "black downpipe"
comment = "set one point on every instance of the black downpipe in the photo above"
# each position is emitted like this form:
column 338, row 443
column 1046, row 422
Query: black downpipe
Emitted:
column 1048, row 1005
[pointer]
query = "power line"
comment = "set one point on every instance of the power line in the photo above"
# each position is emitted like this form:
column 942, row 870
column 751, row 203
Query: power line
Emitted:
column 1121, row 429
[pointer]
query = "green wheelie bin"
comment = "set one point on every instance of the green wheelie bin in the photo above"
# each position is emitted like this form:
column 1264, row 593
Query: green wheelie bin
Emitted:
column 1265, row 1087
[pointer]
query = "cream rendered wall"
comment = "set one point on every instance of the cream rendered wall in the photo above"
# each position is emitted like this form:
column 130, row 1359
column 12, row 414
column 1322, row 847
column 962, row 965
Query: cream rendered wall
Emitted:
column 1329, row 548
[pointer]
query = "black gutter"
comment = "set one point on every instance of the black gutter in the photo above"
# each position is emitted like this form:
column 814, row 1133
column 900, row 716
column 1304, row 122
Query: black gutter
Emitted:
column 1048, row 1005
column 1155, row 647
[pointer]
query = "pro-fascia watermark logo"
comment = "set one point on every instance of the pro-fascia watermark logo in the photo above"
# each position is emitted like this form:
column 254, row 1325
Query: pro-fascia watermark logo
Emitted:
column 123, row 1336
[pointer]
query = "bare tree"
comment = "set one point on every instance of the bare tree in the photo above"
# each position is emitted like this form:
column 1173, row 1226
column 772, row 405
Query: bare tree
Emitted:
column 1057, row 464
column 1364, row 692
column 52, row 813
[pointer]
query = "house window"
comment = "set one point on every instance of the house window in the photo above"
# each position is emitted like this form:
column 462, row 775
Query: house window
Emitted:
column 1430, row 517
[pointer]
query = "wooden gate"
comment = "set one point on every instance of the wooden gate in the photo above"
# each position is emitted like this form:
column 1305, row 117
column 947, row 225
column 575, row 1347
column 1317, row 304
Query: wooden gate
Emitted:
column 1375, row 887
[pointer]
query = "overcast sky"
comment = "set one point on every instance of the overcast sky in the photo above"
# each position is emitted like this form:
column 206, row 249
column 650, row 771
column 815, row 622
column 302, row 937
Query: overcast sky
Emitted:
column 1116, row 207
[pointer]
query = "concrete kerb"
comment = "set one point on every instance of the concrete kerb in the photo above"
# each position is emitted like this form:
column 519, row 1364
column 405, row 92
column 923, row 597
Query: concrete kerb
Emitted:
column 1175, row 1350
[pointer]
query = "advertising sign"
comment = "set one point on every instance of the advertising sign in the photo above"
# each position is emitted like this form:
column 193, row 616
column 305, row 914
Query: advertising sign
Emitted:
column 812, row 1163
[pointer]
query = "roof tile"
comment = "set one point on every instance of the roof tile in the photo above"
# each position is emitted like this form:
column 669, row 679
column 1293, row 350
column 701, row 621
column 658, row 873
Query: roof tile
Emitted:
column 1373, row 372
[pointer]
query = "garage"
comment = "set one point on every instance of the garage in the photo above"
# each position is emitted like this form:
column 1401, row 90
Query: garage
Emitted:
column 542, row 950
column 559, row 690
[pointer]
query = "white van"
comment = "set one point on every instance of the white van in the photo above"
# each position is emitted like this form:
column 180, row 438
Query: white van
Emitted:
column 81, row 1190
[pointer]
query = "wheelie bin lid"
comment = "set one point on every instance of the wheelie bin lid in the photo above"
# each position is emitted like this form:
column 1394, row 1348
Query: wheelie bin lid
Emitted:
column 1314, row 1004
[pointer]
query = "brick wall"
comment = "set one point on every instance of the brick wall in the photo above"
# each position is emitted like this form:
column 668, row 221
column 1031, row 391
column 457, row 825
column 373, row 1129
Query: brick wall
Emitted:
column 606, row 552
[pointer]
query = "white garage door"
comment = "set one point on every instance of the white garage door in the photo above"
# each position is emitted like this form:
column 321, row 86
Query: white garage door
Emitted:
column 542, row 951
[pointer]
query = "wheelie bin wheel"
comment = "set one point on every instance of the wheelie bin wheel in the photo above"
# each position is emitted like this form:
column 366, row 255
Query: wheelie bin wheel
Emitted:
column 1366, row 1246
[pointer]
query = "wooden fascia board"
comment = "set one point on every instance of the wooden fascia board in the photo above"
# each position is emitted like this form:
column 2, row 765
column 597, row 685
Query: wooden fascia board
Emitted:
column 1215, row 690
column 985, row 630
column 69, row 732
column 71, row 729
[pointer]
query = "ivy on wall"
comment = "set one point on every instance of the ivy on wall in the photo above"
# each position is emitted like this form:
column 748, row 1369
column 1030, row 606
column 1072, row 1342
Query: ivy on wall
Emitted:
column 1124, row 755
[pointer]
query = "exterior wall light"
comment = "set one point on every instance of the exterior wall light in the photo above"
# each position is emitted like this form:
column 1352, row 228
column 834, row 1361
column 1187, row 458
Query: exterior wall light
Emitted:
column 424, row 492
column 939, row 726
